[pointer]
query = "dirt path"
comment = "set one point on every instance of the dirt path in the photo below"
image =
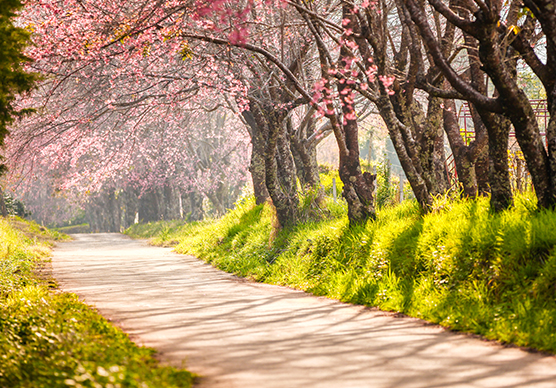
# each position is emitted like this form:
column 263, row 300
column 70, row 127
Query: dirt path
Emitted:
column 239, row 334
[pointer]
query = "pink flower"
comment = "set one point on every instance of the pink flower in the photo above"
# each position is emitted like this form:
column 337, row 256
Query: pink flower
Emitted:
column 387, row 81
column 350, row 116
column 239, row 36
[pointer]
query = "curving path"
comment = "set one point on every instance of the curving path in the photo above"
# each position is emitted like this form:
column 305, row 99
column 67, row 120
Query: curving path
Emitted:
column 238, row 334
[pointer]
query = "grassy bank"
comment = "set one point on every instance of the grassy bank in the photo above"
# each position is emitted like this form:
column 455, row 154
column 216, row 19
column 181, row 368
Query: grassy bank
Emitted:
column 50, row 339
column 460, row 266
column 81, row 228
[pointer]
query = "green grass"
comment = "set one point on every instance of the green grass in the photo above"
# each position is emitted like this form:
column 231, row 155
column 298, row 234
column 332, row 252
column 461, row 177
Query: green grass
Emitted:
column 460, row 266
column 50, row 339
column 80, row 228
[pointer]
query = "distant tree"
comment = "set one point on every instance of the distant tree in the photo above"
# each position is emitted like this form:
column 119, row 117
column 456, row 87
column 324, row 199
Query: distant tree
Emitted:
column 14, row 78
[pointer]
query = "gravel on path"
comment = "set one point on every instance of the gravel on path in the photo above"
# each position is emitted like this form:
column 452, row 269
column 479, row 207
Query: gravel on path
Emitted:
column 240, row 334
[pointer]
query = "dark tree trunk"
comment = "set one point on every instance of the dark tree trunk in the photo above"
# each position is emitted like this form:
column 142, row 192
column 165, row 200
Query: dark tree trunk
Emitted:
column 435, row 148
column 192, row 206
column 465, row 166
column 500, row 65
column 113, row 215
column 305, row 157
column 498, row 128
column 358, row 186
column 482, row 172
column 149, row 206
column 423, row 141
column 416, row 135
column 258, row 147
column 3, row 210
column 471, row 165
column 286, row 165
column 170, row 205
column 403, row 150
column 480, row 151
column 284, row 198
column 279, row 168
column 545, row 12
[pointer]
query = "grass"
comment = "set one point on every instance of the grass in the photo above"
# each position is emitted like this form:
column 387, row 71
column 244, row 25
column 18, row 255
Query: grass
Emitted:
column 80, row 228
column 50, row 339
column 459, row 266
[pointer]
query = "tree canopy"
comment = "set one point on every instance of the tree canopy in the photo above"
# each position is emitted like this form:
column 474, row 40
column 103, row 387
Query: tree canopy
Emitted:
column 120, row 77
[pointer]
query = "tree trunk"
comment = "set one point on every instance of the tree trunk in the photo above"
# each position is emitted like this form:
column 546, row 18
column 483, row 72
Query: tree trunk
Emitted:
column 480, row 151
column 498, row 128
column 216, row 198
column 113, row 216
column 465, row 167
column 482, row 172
column 305, row 157
column 358, row 186
column 148, row 206
column 284, row 198
column 517, row 107
column 192, row 205
column 431, row 148
column 286, row 166
column 3, row 210
column 412, row 173
column 258, row 147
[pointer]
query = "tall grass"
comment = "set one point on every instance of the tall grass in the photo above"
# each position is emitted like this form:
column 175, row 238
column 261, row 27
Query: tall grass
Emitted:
column 51, row 339
column 460, row 266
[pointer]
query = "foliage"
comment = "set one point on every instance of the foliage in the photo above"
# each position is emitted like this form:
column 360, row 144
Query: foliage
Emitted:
column 128, row 79
column 531, row 84
column 79, row 228
column 327, row 175
column 460, row 266
column 15, row 206
column 14, row 78
column 386, row 185
column 386, row 190
column 49, row 339
column 160, row 230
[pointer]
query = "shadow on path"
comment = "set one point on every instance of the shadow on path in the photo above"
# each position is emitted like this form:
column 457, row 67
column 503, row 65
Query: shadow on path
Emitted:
column 241, row 334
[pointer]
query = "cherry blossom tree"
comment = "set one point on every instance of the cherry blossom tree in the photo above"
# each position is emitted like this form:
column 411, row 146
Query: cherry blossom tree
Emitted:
column 118, row 75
